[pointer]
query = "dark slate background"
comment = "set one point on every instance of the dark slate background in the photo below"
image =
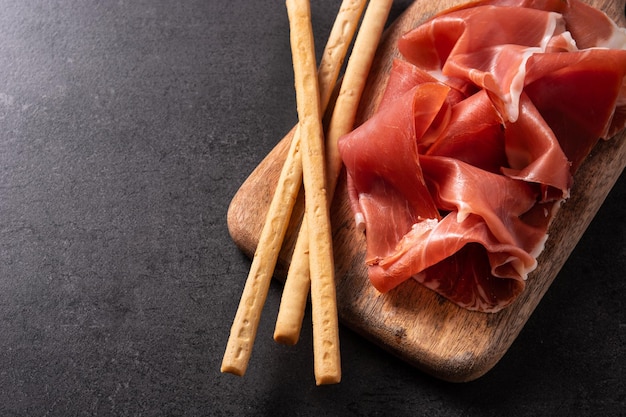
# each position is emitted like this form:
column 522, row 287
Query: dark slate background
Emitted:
column 125, row 129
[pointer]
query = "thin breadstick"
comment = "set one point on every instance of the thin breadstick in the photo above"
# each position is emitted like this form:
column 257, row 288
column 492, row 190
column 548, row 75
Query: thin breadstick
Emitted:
column 297, row 284
column 245, row 325
column 353, row 84
column 246, row 322
column 295, row 293
column 327, row 365
column 339, row 40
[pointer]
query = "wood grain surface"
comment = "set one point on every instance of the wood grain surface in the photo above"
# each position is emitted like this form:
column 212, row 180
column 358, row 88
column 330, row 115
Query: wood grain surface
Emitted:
column 412, row 322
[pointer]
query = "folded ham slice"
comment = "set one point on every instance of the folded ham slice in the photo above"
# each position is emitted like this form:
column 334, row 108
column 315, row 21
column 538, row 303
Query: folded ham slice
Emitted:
column 482, row 126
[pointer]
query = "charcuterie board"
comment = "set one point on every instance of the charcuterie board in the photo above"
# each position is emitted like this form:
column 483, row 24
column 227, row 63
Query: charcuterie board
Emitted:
column 410, row 321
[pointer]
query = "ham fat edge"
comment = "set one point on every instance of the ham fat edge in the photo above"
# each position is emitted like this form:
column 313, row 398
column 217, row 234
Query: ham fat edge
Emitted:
column 457, row 176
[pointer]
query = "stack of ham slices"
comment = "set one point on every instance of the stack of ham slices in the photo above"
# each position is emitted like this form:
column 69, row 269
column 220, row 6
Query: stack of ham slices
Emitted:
column 484, row 121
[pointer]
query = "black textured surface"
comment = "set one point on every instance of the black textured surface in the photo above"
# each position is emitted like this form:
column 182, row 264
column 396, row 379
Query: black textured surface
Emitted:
column 125, row 129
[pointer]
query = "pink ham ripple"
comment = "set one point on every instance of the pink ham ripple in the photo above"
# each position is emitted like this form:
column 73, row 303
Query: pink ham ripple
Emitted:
column 482, row 126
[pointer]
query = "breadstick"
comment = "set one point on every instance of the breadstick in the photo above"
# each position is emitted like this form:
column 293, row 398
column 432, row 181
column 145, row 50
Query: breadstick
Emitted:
column 327, row 365
column 297, row 284
column 245, row 325
column 246, row 322
column 353, row 84
column 295, row 293
column 339, row 40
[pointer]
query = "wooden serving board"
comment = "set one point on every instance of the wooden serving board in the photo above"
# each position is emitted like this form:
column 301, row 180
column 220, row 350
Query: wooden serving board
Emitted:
column 412, row 322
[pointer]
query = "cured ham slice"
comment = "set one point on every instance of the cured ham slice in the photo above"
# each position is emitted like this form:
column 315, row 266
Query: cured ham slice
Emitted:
column 387, row 165
column 580, row 95
column 487, row 46
column 457, row 176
